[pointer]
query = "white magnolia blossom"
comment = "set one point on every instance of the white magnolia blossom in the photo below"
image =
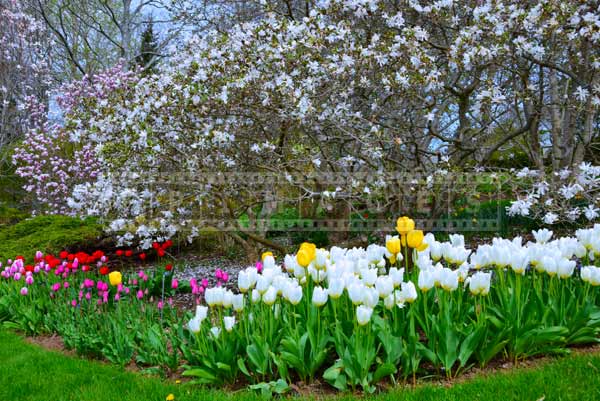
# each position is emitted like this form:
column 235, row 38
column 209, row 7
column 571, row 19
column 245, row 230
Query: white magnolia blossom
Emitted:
column 354, row 86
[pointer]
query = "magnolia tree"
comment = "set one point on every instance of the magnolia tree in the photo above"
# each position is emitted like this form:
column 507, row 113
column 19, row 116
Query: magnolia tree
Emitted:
column 354, row 87
column 52, row 158
column 565, row 196
column 23, row 69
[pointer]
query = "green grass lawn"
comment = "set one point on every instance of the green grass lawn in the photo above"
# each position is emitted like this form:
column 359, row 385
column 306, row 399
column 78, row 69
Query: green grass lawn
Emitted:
column 28, row 372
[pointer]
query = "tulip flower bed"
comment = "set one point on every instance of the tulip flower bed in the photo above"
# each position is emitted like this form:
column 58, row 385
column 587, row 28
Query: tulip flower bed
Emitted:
column 354, row 318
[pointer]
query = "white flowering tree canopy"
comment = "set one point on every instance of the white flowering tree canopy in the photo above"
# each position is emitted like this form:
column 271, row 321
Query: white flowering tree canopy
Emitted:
column 356, row 86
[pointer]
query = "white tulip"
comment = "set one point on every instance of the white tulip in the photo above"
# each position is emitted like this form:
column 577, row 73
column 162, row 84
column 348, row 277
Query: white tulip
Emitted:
column 238, row 302
column 194, row 325
column 542, row 235
column 408, row 292
column 255, row 297
column 355, row 292
column 448, row 279
column 549, row 265
column 229, row 322
column 290, row 263
column 384, row 286
column 215, row 331
column 294, row 294
column 397, row 276
column 435, row 250
column 363, row 314
column 389, row 301
column 566, row 268
column 457, row 240
column 316, row 275
column 244, row 281
column 369, row 276
column 321, row 259
column 268, row 262
column 214, row 296
column 463, row 272
column 201, row 312
column 580, row 251
column 519, row 260
column 591, row 274
column 426, row 280
column 370, row 297
column 270, row 295
column 299, row 272
column 336, row 288
column 262, row 283
column 319, row 297
column 479, row 283
column 227, row 298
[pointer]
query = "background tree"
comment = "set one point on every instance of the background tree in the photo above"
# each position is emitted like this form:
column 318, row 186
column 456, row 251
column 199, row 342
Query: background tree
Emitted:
column 148, row 48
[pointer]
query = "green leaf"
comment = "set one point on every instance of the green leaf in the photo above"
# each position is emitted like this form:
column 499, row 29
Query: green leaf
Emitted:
column 469, row 345
column 242, row 366
column 384, row 370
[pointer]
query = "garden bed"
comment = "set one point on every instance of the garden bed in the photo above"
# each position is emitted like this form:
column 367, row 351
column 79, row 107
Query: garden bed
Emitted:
column 355, row 319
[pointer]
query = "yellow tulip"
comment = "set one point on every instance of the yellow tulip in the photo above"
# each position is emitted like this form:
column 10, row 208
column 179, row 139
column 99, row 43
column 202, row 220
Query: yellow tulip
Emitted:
column 303, row 258
column 404, row 225
column 414, row 238
column 170, row 397
column 265, row 254
column 310, row 248
column 115, row 278
column 423, row 246
column 393, row 245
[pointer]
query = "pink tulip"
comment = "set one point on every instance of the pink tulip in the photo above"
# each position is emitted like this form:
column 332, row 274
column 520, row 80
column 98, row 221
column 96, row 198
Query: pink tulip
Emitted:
column 29, row 280
column 174, row 284
column 24, row 291
column 66, row 284
column 139, row 294
column 73, row 303
column 56, row 287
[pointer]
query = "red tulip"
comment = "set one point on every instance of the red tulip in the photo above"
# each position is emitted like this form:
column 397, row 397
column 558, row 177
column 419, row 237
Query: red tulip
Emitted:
column 155, row 245
column 161, row 252
column 104, row 270
column 20, row 257
column 168, row 243
column 119, row 252
column 29, row 268
column 85, row 268
column 169, row 267
column 128, row 253
column 63, row 254
column 142, row 256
